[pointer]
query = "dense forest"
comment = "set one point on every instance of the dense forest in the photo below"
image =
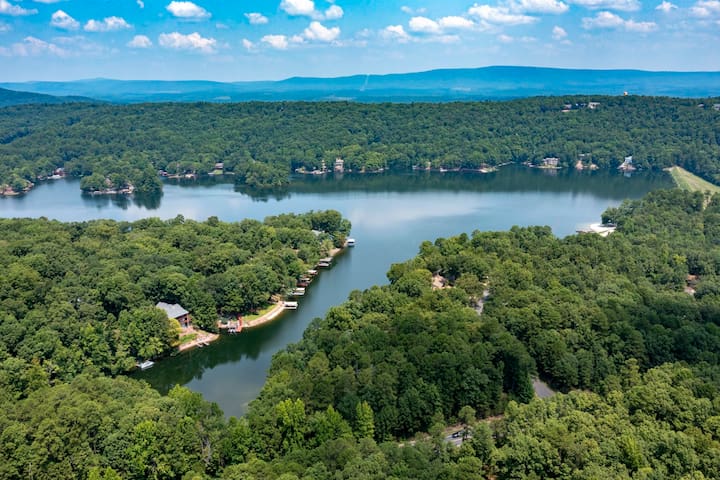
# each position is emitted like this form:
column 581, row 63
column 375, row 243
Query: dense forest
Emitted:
column 114, row 146
column 627, row 326
column 75, row 296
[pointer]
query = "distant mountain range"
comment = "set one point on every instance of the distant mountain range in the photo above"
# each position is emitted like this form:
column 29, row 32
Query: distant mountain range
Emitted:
column 434, row 86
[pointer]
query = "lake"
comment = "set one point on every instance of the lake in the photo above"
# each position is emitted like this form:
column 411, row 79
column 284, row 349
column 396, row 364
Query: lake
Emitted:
column 391, row 215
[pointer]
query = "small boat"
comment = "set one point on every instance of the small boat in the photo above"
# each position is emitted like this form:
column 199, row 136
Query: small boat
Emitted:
column 312, row 272
column 291, row 305
column 298, row 292
column 146, row 364
column 350, row 242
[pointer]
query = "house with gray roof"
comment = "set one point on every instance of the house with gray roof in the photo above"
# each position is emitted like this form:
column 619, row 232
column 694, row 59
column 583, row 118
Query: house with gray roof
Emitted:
column 177, row 312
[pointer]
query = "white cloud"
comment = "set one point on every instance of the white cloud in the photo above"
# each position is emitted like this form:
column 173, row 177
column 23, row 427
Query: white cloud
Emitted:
column 256, row 18
column 192, row 42
column 4, row 27
column 395, row 32
column 611, row 20
column 32, row 47
column 317, row 31
column 706, row 8
column 140, row 41
column 558, row 33
column 499, row 15
column 187, row 10
column 424, row 25
column 334, row 12
column 140, row 3
column 455, row 22
column 279, row 42
column 603, row 20
column 666, row 7
column 413, row 11
column 247, row 44
column 621, row 5
column 47, row 1
column 540, row 6
column 62, row 20
column 306, row 8
column 298, row 8
column 108, row 24
column 642, row 27
column 508, row 39
column 7, row 8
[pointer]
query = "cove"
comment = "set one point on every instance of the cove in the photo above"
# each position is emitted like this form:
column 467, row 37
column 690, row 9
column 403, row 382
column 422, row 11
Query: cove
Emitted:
column 391, row 215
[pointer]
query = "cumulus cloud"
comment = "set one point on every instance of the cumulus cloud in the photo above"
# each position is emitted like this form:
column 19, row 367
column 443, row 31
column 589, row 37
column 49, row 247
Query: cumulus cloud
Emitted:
column 140, row 3
column 140, row 41
column 317, row 31
column 666, row 7
column 499, row 15
column 455, row 22
column 613, row 21
column 558, row 33
column 32, row 47
column 555, row 7
column 621, row 5
column 7, row 8
column 333, row 12
column 279, row 42
column 247, row 44
column 62, row 20
column 706, row 8
column 187, row 10
column 395, row 32
column 306, row 8
column 424, row 25
column 191, row 42
column 298, row 8
column 108, row 24
column 256, row 18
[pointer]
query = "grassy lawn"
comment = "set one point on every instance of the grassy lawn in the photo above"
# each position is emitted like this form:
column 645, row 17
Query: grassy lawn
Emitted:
column 188, row 338
column 259, row 313
column 688, row 181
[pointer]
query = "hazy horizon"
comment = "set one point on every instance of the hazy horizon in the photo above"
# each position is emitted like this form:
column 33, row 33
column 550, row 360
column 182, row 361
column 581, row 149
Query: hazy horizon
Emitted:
column 256, row 40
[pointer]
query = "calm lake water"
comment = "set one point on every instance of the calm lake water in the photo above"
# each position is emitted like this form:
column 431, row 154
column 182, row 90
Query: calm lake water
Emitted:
column 391, row 215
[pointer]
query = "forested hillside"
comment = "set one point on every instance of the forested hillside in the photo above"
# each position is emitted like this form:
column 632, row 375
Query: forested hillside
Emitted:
column 75, row 296
column 613, row 321
column 262, row 143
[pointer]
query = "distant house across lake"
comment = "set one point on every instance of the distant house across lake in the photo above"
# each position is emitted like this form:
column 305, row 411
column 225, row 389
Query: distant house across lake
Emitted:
column 177, row 312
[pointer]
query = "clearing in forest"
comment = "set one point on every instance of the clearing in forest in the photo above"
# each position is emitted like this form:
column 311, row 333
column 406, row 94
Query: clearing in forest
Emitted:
column 688, row 181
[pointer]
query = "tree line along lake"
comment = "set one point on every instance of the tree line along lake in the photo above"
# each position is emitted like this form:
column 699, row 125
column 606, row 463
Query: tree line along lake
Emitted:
column 391, row 214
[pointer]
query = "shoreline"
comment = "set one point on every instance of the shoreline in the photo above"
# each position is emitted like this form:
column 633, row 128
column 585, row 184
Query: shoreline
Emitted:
column 203, row 338
column 279, row 307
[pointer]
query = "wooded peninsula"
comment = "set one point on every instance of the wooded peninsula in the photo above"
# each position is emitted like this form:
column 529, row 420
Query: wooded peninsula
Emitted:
column 122, row 148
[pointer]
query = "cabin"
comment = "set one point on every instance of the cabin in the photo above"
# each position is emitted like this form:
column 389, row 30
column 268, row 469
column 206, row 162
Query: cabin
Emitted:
column 551, row 162
column 627, row 164
column 339, row 165
column 593, row 105
column 177, row 312
column 219, row 166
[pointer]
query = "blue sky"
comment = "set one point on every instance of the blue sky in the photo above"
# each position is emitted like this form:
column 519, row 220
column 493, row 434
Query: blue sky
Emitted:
column 230, row 40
